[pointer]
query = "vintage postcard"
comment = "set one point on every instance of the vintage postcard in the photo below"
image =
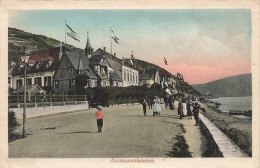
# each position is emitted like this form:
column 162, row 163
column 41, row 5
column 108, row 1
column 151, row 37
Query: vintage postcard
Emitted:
column 130, row 83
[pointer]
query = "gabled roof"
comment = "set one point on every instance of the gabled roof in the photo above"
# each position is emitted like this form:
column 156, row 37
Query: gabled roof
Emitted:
column 147, row 74
column 31, row 89
column 80, row 62
column 10, row 70
column 115, row 77
column 41, row 57
column 99, row 52
column 95, row 59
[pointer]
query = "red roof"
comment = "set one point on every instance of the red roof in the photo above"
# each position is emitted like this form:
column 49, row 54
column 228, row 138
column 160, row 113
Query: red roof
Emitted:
column 51, row 54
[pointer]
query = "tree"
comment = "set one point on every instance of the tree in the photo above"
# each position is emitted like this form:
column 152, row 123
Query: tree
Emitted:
column 81, row 82
column 12, row 126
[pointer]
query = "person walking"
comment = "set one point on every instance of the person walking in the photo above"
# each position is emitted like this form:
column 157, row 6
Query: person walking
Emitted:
column 171, row 103
column 152, row 101
column 157, row 108
column 149, row 103
column 166, row 101
column 144, row 106
column 196, row 110
column 184, row 105
column 189, row 112
column 180, row 109
column 99, row 117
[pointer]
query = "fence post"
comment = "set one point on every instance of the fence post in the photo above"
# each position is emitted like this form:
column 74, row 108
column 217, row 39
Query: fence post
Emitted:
column 35, row 101
column 18, row 101
column 50, row 99
column 63, row 98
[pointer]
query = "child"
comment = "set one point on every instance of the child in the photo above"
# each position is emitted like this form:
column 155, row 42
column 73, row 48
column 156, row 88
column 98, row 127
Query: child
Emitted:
column 99, row 117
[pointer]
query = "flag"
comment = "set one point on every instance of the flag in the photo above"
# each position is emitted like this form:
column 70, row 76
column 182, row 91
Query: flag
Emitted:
column 132, row 55
column 132, row 58
column 72, row 33
column 114, row 37
column 165, row 61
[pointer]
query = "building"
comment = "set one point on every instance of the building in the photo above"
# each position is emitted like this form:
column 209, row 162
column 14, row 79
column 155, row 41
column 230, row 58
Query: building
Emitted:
column 128, row 73
column 41, row 67
column 11, row 67
column 149, row 77
column 72, row 63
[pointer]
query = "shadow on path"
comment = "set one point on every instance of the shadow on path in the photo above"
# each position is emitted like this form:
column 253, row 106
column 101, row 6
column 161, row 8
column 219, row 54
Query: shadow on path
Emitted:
column 78, row 132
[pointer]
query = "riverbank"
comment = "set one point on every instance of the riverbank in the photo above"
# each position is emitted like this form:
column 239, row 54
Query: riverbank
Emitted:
column 238, row 130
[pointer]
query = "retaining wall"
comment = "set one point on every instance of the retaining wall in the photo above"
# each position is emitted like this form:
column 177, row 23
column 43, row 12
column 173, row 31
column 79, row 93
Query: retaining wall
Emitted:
column 45, row 110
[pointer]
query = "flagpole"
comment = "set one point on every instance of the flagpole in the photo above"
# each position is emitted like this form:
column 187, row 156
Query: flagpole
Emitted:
column 65, row 36
column 111, row 41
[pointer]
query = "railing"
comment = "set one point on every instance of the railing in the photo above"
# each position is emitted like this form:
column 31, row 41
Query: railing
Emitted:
column 45, row 100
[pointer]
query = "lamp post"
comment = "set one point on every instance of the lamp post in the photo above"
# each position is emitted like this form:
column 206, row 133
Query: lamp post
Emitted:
column 24, row 58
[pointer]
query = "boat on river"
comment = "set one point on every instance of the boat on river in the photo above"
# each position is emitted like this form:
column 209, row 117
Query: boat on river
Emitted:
column 237, row 112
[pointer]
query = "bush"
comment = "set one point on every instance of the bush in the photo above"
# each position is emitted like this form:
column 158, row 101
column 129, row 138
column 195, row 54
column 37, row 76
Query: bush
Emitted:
column 12, row 126
column 180, row 148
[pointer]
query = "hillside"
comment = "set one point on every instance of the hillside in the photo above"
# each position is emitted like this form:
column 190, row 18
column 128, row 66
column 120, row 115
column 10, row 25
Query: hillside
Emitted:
column 234, row 86
column 17, row 38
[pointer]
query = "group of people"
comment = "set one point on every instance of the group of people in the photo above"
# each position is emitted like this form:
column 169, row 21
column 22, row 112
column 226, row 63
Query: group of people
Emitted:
column 187, row 108
column 156, row 106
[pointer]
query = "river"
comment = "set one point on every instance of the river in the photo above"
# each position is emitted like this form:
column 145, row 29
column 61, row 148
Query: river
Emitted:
column 234, row 103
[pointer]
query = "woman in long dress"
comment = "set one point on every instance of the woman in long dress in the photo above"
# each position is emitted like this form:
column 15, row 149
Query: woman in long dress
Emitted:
column 184, row 108
column 157, row 109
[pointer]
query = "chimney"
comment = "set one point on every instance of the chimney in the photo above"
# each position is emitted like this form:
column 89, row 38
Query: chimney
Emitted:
column 104, row 49
column 114, row 54
column 60, row 54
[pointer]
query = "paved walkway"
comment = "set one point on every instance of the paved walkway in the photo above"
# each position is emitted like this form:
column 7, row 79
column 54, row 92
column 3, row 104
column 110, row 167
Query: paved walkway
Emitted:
column 192, row 136
column 126, row 133
column 224, row 143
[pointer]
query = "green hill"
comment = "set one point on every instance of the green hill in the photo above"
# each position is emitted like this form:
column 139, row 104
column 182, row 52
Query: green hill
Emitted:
column 17, row 38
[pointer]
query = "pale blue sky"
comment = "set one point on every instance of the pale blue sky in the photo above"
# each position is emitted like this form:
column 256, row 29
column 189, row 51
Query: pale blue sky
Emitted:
column 189, row 39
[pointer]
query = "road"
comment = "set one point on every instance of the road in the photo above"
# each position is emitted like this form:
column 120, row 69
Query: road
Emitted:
column 126, row 133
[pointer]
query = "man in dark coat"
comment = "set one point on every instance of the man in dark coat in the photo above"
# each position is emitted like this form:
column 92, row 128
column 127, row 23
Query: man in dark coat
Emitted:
column 144, row 107
column 196, row 111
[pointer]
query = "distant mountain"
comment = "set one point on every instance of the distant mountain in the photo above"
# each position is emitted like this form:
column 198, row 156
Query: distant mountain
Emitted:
column 234, row 86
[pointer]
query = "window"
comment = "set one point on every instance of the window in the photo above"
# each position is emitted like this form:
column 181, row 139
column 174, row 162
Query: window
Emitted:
column 127, row 76
column 136, row 79
column 56, row 84
column 124, row 75
column 71, row 83
column 133, row 78
column 38, row 81
column 19, row 83
column 47, row 81
column 29, row 81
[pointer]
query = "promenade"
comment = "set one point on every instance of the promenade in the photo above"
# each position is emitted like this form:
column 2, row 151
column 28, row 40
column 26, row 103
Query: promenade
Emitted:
column 126, row 133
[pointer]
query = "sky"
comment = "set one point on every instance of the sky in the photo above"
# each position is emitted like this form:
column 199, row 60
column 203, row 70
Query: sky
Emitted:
column 202, row 44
